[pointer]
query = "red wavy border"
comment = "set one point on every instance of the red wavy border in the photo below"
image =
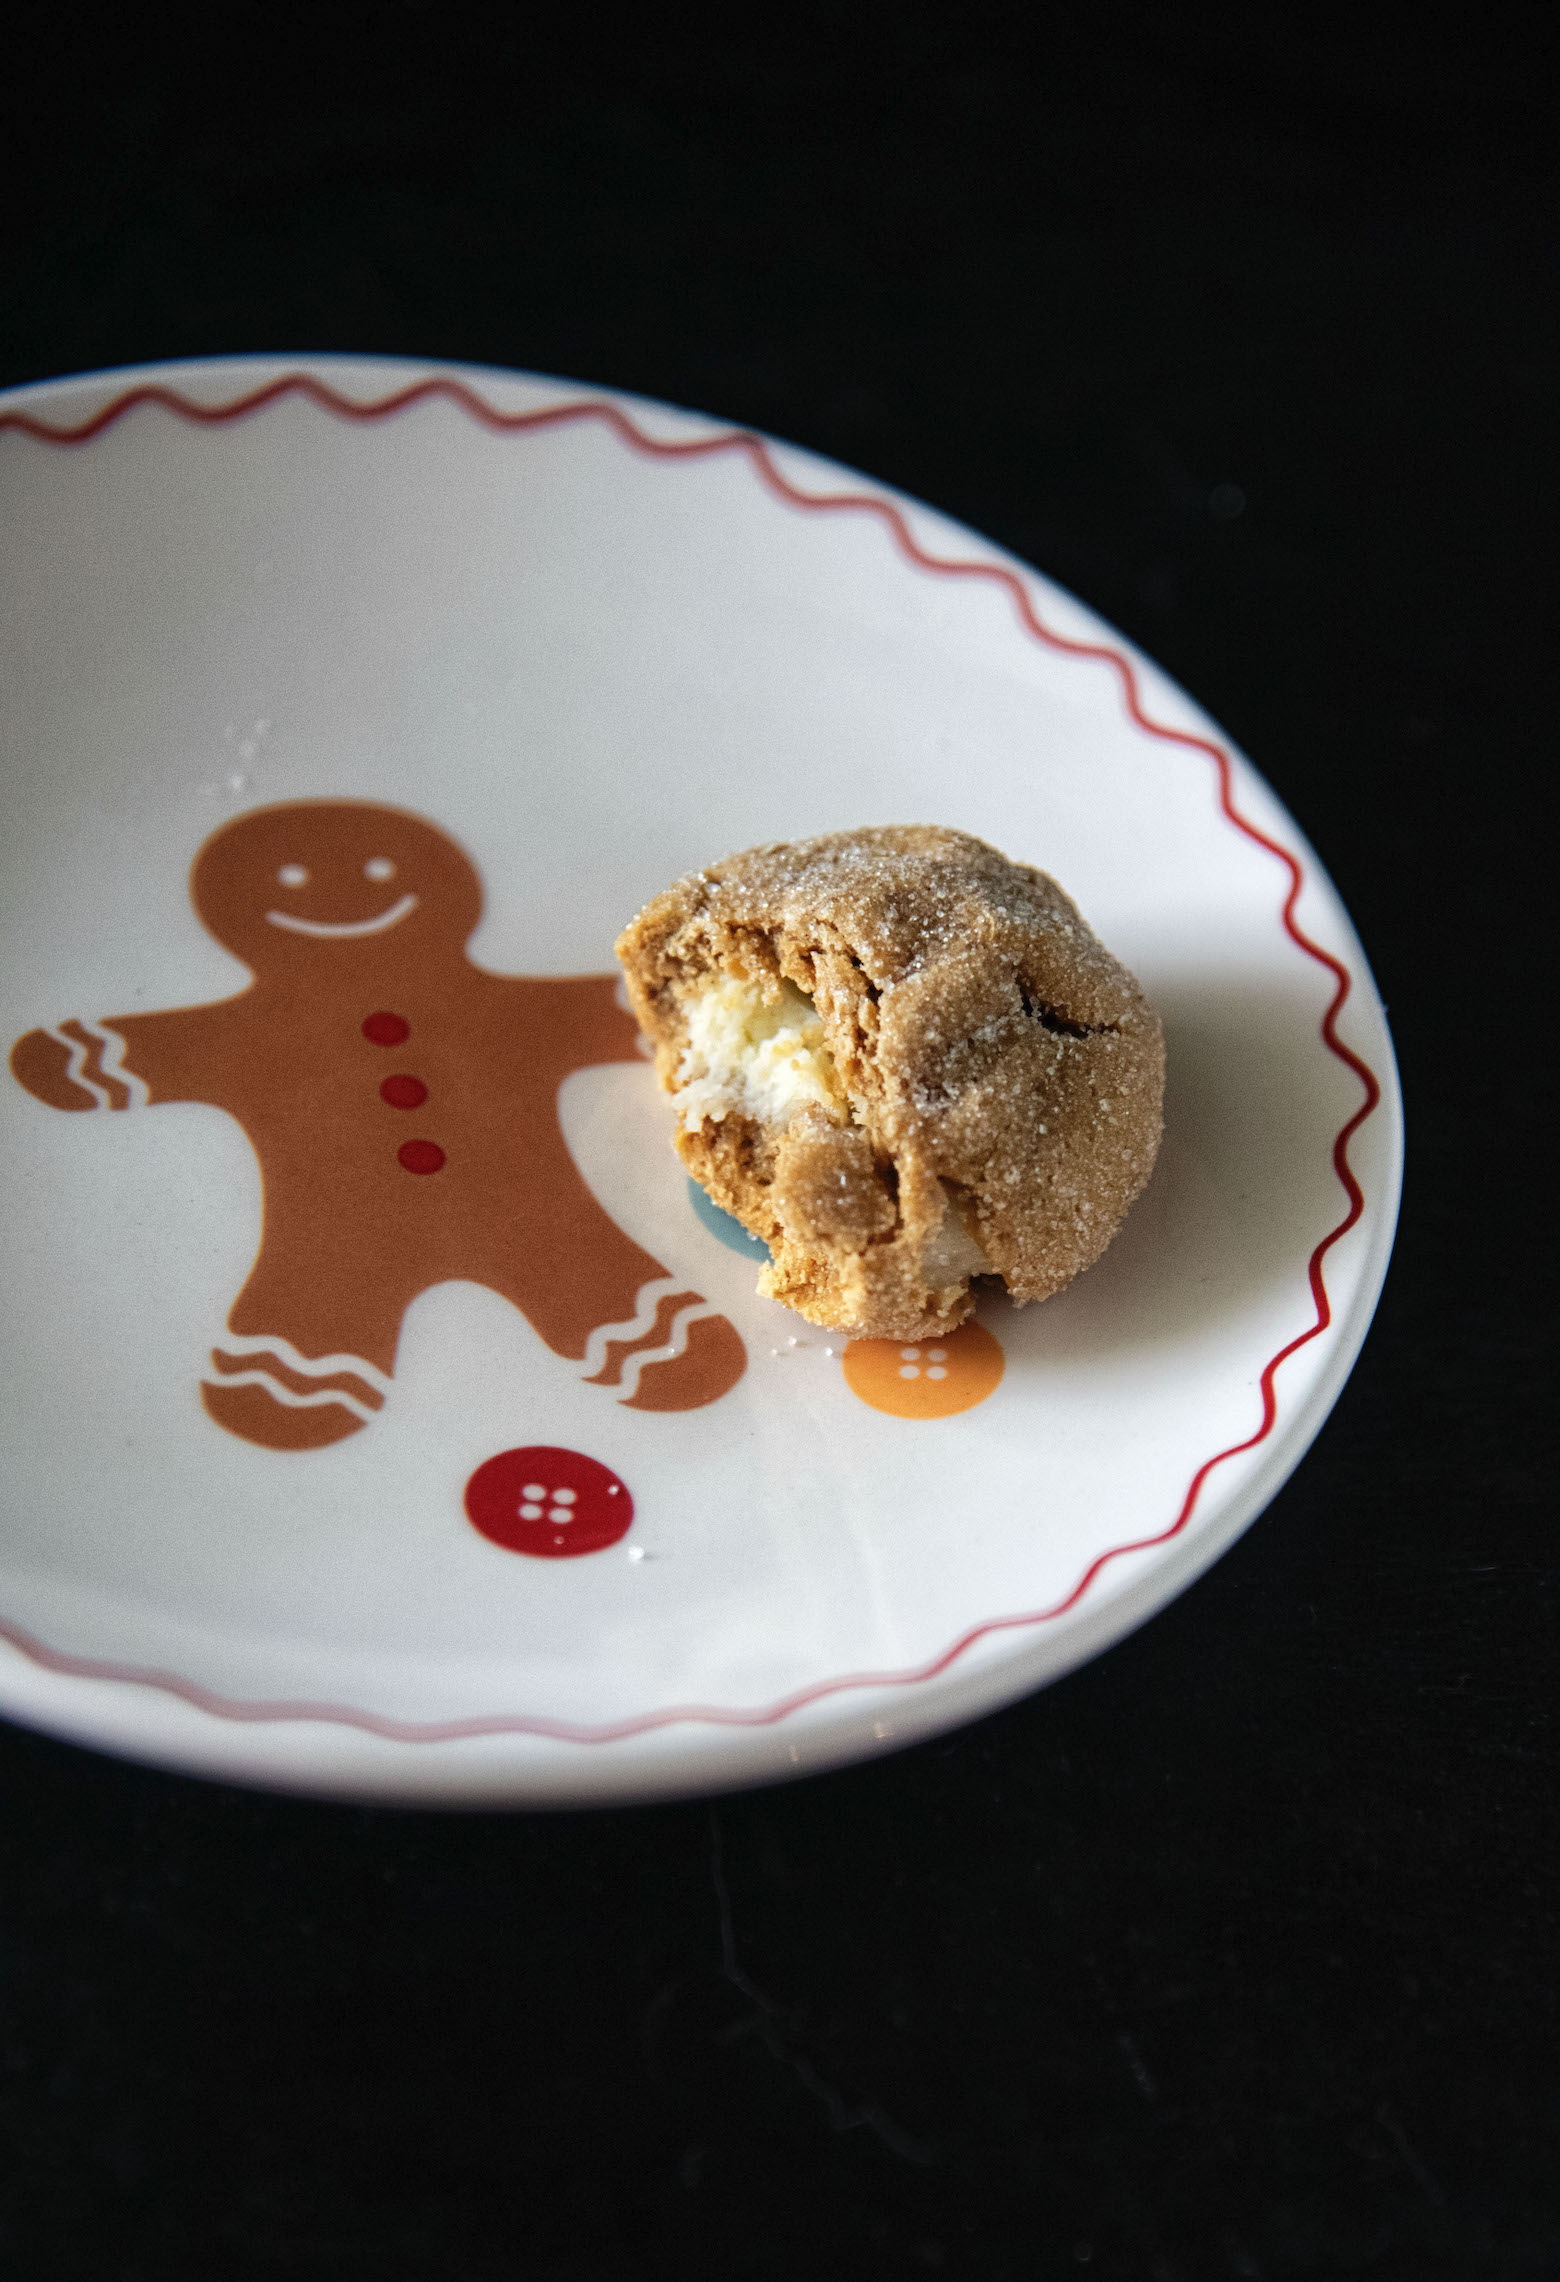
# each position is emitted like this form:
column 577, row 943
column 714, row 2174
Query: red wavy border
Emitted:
column 761, row 460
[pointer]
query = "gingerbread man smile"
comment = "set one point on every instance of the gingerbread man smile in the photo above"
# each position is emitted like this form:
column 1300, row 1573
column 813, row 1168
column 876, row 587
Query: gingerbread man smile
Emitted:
column 300, row 926
column 402, row 1103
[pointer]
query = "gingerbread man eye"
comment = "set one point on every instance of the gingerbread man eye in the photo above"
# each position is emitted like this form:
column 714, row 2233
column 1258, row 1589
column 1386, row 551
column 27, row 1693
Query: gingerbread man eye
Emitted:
column 379, row 868
column 293, row 875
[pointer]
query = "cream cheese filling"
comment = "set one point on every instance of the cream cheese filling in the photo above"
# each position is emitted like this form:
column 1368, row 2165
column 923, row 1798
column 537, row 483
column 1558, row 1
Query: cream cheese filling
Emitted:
column 954, row 1253
column 752, row 1056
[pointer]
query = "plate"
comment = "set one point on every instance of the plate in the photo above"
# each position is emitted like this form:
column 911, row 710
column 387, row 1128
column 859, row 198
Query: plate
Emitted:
column 383, row 1417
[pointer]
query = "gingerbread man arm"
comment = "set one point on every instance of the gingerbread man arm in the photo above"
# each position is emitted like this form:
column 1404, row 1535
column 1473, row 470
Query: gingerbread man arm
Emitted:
column 42, row 1062
column 179, row 1055
column 119, row 1063
column 581, row 1021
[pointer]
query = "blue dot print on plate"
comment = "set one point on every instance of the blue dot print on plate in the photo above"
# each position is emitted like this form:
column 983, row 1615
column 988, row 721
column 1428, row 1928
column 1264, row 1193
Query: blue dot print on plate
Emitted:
column 722, row 1225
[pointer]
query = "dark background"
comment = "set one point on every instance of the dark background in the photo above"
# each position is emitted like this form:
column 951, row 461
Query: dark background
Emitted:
column 1234, row 1954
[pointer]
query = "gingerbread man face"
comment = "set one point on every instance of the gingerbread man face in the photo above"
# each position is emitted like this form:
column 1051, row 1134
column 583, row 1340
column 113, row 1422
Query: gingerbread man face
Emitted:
column 290, row 890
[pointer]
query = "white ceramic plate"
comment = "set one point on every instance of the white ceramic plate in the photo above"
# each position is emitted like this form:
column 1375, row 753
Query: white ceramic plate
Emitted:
column 590, row 642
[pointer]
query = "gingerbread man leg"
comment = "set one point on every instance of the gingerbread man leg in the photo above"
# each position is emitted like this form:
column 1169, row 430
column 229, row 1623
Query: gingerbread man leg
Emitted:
column 687, row 1355
column 309, row 1350
column 265, row 1389
column 594, row 1296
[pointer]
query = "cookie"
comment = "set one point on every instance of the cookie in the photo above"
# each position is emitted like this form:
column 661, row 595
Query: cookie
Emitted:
column 905, row 1063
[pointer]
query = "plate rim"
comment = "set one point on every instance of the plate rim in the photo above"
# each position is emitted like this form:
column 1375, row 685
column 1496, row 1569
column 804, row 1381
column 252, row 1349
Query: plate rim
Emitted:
column 996, row 1680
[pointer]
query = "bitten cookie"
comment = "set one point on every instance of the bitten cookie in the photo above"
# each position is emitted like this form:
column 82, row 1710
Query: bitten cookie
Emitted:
column 904, row 1062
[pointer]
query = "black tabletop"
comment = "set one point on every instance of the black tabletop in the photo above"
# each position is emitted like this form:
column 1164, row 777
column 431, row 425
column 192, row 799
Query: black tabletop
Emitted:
column 1234, row 1954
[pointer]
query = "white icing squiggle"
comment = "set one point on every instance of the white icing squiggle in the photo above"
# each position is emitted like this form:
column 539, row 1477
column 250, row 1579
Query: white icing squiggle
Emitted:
column 310, row 1366
column 682, row 1323
column 112, row 1063
column 647, row 1300
column 76, row 1068
column 289, row 1398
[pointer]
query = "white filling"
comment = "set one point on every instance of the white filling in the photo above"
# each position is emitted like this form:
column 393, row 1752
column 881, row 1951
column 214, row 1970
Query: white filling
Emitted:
column 954, row 1252
column 755, row 1057
column 766, row 1058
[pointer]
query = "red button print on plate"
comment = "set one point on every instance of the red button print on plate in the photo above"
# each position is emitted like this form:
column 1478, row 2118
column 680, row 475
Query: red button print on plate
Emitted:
column 548, row 1502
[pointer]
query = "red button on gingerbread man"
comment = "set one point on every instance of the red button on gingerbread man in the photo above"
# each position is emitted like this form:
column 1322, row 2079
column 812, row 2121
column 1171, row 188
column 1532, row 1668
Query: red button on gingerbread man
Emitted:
column 403, row 1105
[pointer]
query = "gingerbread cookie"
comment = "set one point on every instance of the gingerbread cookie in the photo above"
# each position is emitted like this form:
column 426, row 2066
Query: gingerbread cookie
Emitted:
column 905, row 1063
column 402, row 1103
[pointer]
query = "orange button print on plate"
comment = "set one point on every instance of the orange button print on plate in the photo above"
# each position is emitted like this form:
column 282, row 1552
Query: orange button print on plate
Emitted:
column 927, row 1378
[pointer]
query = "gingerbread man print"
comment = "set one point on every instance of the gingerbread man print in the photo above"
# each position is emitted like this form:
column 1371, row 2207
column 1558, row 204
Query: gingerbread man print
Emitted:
column 402, row 1103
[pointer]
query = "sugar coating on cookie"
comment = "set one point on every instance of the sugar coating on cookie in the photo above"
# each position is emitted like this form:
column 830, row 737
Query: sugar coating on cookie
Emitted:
column 904, row 1062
